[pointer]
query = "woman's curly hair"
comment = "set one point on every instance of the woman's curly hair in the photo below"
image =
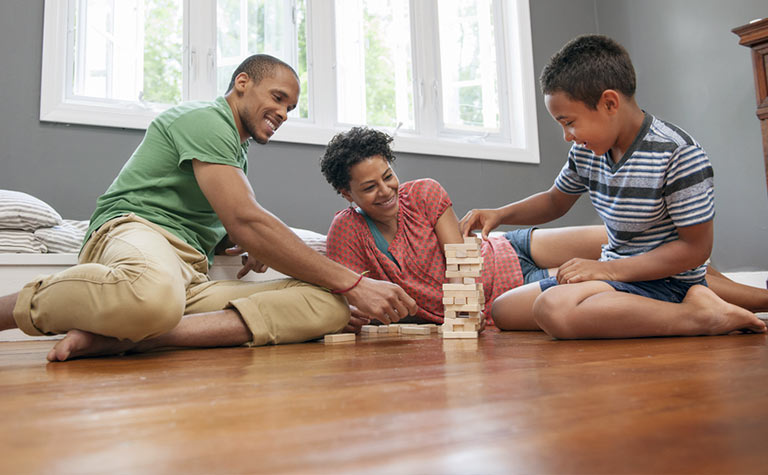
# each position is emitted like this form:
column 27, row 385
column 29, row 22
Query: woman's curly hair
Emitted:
column 349, row 148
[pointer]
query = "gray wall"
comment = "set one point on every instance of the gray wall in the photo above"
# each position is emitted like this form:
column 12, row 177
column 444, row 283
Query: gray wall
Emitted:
column 69, row 166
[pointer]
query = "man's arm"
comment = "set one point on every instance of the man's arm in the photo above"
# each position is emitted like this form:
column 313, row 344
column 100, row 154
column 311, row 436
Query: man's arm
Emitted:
column 540, row 208
column 689, row 251
column 262, row 234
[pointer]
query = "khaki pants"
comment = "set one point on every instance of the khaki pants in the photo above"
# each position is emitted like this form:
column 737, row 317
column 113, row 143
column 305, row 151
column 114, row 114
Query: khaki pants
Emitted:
column 136, row 280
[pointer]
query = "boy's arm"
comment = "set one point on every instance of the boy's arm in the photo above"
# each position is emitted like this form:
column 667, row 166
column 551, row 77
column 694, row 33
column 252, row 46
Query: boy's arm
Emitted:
column 691, row 250
column 540, row 208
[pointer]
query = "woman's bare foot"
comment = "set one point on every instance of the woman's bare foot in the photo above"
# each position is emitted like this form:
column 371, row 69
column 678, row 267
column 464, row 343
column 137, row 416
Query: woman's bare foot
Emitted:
column 718, row 317
column 80, row 344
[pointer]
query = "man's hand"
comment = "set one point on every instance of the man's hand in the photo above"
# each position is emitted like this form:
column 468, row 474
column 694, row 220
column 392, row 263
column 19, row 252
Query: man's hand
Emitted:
column 249, row 263
column 356, row 321
column 582, row 270
column 484, row 219
column 384, row 301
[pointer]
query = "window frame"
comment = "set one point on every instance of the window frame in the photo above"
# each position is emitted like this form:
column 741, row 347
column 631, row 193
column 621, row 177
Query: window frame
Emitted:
column 517, row 90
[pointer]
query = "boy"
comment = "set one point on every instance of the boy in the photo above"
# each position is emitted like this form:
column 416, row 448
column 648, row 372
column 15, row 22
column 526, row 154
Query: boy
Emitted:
column 651, row 184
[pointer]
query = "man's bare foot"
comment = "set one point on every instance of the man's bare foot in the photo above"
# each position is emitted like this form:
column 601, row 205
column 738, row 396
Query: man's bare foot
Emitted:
column 719, row 317
column 80, row 344
column 6, row 311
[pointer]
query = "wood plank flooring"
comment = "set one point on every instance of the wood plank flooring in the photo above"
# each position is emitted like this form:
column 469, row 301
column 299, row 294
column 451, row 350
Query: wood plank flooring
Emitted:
column 511, row 402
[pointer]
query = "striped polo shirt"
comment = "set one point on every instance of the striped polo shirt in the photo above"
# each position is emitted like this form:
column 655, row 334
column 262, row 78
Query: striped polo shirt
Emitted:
column 663, row 182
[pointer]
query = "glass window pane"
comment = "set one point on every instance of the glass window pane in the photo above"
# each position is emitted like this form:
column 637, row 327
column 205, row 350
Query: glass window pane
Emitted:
column 128, row 50
column 247, row 27
column 470, row 94
column 373, row 57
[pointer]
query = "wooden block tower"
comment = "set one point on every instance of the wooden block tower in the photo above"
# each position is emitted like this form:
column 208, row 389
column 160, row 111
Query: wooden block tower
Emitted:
column 463, row 301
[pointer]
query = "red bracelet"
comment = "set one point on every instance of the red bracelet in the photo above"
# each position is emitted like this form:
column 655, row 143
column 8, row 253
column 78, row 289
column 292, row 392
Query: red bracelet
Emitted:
column 350, row 288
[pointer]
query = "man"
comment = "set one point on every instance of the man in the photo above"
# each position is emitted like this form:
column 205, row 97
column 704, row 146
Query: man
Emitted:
column 154, row 231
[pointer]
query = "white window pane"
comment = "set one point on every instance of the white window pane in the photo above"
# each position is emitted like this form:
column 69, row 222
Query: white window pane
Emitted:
column 129, row 50
column 470, row 95
column 247, row 27
column 373, row 58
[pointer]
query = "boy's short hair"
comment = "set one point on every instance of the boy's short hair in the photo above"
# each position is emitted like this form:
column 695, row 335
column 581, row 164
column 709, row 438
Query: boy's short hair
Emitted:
column 259, row 66
column 586, row 66
column 349, row 148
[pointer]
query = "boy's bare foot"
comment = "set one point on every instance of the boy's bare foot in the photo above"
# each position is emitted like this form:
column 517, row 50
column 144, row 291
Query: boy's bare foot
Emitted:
column 719, row 317
column 79, row 344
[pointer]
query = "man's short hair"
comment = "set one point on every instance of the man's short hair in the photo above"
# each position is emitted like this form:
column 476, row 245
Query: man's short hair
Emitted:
column 349, row 148
column 259, row 66
column 586, row 66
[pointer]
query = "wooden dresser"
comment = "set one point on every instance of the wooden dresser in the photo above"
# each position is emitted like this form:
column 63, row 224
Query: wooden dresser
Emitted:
column 755, row 36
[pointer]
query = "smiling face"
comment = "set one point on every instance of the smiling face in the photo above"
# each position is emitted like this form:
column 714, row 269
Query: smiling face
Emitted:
column 373, row 186
column 591, row 128
column 263, row 107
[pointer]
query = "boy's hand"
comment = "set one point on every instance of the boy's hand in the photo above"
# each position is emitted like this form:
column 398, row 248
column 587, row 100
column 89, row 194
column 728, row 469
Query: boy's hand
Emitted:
column 485, row 219
column 582, row 270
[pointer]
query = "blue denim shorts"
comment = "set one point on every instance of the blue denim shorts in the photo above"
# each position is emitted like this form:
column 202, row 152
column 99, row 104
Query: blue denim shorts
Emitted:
column 666, row 290
column 520, row 239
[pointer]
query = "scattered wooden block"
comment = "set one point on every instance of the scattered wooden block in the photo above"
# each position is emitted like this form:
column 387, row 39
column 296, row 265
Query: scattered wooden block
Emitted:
column 383, row 328
column 369, row 329
column 339, row 337
column 416, row 330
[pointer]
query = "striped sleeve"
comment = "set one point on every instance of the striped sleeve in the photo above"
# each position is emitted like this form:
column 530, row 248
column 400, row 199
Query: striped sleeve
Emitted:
column 689, row 187
column 569, row 181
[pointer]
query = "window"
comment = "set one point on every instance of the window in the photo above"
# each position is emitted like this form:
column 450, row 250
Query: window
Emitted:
column 447, row 77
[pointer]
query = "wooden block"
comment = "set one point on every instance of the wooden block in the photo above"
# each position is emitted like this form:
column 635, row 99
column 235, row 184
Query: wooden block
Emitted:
column 762, row 316
column 460, row 247
column 383, row 328
column 459, row 253
column 451, row 254
column 432, row 327
column 448, row 300
column 460, row 300
column 465, row 287
column 473, row 300
column 471, row 253
column 452, row 267
column 339, row 337
column 464, row 260
column 415, row 330
column 462, row 293
column 469, row 280
column 459, row 334
column 369, row 329
column 472, row 240
column 462, row 274
column 393, row 328
column 449, row 314
column 464, row 308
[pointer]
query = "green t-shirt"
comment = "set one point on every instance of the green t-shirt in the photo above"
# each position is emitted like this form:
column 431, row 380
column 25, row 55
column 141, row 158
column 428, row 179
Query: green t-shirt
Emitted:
column 157, row 183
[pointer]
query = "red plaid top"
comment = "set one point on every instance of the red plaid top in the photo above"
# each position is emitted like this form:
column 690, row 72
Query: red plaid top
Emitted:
column 417, row 250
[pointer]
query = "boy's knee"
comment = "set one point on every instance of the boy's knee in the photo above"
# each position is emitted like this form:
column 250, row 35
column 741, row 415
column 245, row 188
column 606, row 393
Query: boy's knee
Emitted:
column 551, row 314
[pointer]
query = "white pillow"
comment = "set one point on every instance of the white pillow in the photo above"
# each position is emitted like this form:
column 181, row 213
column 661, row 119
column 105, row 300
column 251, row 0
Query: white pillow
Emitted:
column 21, row 211
column 312, row 239
column 67, row 237
column 13, row 240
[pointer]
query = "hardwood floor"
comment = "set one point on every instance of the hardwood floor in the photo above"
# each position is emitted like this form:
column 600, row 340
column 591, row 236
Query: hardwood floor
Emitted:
column 512, row 402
